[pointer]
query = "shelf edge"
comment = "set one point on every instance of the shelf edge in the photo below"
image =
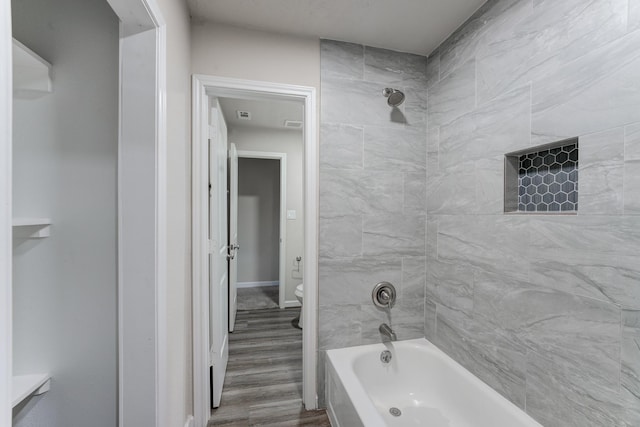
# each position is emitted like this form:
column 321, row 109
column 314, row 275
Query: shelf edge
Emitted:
column 24, row 386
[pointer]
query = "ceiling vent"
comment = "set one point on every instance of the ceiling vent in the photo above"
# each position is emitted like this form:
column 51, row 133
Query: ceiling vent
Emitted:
column 243, row 115
column 293, row 124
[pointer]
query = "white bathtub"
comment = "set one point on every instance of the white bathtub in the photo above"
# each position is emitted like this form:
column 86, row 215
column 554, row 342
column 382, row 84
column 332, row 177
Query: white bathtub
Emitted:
column 427, row 386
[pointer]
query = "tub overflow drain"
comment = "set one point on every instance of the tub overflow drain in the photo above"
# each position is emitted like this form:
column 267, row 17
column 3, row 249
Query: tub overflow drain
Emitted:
column 395, row 412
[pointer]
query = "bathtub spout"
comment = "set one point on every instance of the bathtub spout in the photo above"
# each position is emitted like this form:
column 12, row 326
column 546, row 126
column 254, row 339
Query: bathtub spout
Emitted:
column 387, row 332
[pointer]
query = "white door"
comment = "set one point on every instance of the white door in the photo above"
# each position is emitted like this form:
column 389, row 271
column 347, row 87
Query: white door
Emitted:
column 218, row 277
column 233, row 235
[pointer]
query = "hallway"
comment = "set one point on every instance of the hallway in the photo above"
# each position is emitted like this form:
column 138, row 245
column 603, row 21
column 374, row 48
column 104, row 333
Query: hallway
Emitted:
column 263, row 385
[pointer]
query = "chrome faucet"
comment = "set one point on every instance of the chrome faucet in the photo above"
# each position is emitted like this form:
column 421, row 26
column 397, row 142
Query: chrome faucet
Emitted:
column 386, row 331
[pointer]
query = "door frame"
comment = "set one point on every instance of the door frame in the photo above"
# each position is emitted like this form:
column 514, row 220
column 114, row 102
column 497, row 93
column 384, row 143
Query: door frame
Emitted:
column 143, row 395
column 6, row 105
column 282, row 247
column 202, row 87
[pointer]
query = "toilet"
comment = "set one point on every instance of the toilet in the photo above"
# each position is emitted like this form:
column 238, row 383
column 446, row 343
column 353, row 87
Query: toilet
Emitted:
column 299, row 293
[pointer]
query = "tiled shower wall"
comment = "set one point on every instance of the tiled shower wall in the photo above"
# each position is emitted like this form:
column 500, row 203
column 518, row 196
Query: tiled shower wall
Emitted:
column 372, row 193
column 546, row 309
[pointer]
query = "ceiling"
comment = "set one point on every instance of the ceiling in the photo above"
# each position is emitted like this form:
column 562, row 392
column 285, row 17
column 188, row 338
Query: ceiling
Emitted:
column 414, row 26
column 265, row 114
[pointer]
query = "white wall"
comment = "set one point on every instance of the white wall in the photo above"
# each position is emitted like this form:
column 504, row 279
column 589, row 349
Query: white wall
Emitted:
column 178, row 263
column 225, row 51
column 65, row 158
column 258, row 220
column 291, row 143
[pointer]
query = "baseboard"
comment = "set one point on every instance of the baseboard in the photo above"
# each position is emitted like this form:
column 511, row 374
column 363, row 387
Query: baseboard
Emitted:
column 256, row 284
column 331, row 414
column 291, row 304
column 189, row 421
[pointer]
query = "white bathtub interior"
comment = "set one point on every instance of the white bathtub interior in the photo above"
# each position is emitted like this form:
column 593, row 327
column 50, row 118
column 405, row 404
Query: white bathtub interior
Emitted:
column 428, row 387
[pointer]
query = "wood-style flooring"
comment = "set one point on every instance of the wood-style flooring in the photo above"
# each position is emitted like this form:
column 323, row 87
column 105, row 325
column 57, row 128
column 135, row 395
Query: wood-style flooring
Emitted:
column 258, row 298
column 263, row 385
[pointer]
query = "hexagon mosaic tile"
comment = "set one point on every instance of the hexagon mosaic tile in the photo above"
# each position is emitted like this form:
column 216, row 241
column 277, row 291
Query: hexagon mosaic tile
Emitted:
column 548, row 180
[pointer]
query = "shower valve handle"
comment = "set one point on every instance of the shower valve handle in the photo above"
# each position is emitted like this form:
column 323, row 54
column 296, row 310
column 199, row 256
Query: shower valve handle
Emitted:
column 384, row 295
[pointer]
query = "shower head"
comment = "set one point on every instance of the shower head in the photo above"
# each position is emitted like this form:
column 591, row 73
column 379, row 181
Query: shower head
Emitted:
column 395, row 97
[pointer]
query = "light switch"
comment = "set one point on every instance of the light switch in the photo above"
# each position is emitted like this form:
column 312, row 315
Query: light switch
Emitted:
column 291, row 214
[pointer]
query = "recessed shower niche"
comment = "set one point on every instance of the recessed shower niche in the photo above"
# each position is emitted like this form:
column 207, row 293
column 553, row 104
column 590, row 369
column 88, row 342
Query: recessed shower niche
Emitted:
column 542, row 179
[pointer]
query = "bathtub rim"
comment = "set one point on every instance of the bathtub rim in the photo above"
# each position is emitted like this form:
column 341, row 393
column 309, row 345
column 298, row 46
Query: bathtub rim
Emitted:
column 342, row 358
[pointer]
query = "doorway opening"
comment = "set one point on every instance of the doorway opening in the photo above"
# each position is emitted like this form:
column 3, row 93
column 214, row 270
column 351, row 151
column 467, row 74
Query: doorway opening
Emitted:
column 211, row 284
column 259, row 233
column 271, row 226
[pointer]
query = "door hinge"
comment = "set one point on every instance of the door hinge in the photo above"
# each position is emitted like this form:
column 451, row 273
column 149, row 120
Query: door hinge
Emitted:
column 211, row 247
column 212, row 132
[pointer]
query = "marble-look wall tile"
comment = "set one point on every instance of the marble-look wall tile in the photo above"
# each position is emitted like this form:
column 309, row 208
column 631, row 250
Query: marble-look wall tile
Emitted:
column 632, row 142
column 339, row 326
column 561, row 394
column 400, row 150
column 346, row 192
column 456, row 143
column 432, row 237
column 393, row 235
column 350, row 281
column 601, row 169
column 566, row 326
column 489, row 185
column 371, row 319
column 406, row 320
column 339, row 59
column 394, row 68
column 433, row 146
column 570, row 28
column 341, row 146
column 433, row 68
column 463, row 43
column 476, row 143
column 537, row 41
column 632, row 169
column 494, row 129
column 501, row 369
column 630, row 359
column 488, row 243
column 504, row 124
column 450, row 285
column 452, row 191
column 480, row 330
column 321, row 375
column 433, row 160
column 505, row 63
column 341, row 237
column 453, row 96
column 430, row 320
column 592, row 256
column 415, row 107
column 414, row 279
column 356, row 102
column 415, row 193
column 372, row 174
column 532, row 305
column 568, row 101
column 634, row 15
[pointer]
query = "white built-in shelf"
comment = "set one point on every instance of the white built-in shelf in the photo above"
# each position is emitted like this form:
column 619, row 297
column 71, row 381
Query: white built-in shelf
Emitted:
column 24, row 386
column 31, row 73
column 31, row 228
